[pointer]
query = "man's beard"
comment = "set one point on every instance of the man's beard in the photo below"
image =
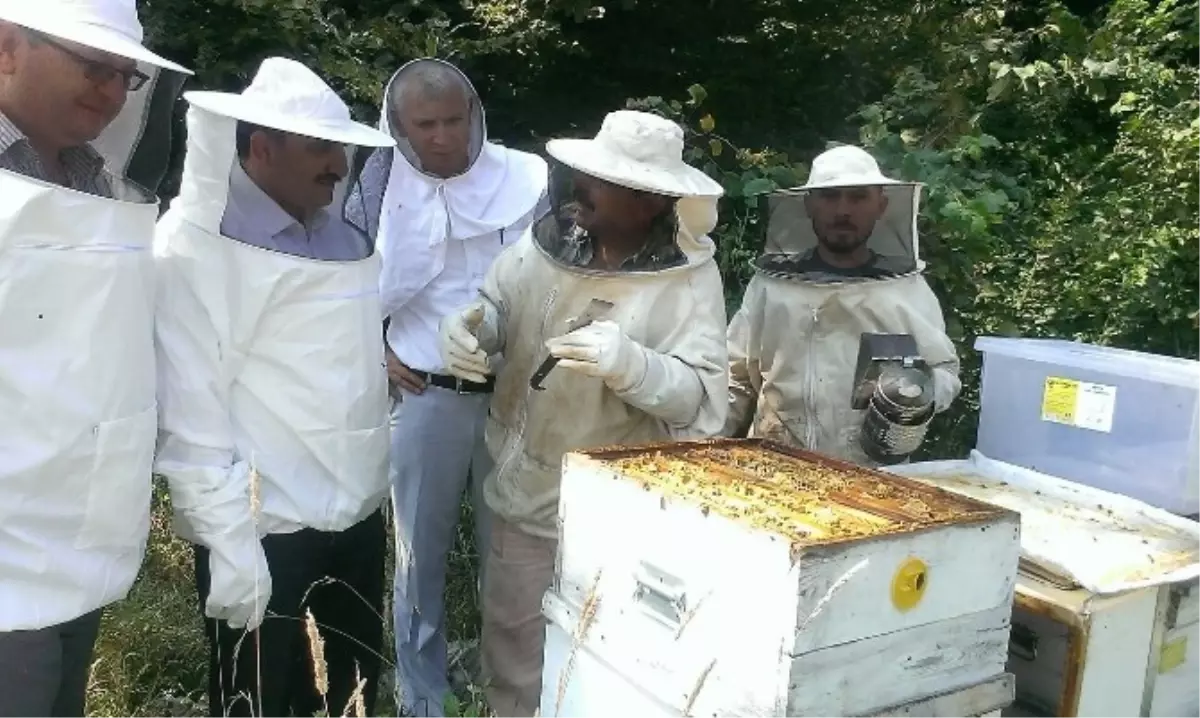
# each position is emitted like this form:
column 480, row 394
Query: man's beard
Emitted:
column 841, row 246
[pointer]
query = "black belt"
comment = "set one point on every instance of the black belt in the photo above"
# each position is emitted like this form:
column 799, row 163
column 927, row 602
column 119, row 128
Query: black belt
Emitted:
column 457, row 385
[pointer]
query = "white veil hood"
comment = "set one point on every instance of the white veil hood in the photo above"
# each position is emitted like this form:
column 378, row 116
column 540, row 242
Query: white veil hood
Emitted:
column 413, row 213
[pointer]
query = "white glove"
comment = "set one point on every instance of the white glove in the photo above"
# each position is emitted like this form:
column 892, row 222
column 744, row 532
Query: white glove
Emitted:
column 240, row 585
column 602, row 350
column 946, row 386
column 459, row 344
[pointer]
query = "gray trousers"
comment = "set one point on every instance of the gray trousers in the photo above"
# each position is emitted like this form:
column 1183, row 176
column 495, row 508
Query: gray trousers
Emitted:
column 44, row 672
column 437, row 443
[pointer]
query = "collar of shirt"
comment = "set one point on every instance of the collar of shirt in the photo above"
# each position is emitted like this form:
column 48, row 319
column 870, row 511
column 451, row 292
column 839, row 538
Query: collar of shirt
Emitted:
column 252, row 216
column 83, row 165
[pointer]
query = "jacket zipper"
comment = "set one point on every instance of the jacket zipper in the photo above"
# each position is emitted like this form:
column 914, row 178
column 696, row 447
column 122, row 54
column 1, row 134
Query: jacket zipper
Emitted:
column 441, row 193
column 523, row 417
column 810, row 433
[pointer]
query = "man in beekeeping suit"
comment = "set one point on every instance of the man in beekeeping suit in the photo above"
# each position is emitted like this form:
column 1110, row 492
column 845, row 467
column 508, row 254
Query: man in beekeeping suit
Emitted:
column 625, row 242
column 841, row 261
column 273, row 394
column 442, row 205
column 84, row 137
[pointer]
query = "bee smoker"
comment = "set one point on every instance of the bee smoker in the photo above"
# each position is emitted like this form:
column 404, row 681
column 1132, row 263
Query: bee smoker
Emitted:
column 894, row 385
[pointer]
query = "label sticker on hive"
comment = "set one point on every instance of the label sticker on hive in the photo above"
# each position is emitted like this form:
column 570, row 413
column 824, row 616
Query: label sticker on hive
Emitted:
column 1173, row 655
column 1079, row 403
column 908, row 585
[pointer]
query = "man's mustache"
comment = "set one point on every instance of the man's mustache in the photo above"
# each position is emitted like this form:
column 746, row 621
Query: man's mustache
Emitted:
column 329, row 179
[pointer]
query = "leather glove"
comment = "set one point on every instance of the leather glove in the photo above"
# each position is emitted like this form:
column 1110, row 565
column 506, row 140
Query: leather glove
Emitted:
column 240, row 585
column 459, row 344
column 602, row 350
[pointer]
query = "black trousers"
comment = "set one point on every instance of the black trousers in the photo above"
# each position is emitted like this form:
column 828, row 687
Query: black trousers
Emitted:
column 270, row 672
column 44, row 672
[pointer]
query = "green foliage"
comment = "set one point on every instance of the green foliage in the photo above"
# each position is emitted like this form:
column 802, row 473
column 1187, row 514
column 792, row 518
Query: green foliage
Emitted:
column 473, row 705
column 1061, row 164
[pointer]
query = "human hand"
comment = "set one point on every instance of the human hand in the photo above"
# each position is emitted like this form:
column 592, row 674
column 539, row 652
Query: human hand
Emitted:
column 400, row 376
column 602, row 350
column 459, row 344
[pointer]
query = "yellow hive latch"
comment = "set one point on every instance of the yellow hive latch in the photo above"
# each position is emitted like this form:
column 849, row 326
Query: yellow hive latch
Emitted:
column 908, row 585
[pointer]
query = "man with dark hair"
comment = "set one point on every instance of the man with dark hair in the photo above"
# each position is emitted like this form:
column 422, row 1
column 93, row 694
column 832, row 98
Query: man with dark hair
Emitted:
column 843, row 219
column 841, row 263
column 76, row 344
column 273, row 395
column 627, row 231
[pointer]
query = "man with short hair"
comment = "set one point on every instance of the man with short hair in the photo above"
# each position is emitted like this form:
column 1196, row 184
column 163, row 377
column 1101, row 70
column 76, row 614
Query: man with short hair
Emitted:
column 841, row 262
column 627, row 233
column 273, row 396
column 76, row 333
column 443, row 204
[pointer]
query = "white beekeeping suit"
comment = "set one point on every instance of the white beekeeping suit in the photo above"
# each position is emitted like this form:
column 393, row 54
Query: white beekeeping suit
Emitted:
column 272, row 390
column 77, row 429
column 670, row 311
column 652, row 367
column 794, row 344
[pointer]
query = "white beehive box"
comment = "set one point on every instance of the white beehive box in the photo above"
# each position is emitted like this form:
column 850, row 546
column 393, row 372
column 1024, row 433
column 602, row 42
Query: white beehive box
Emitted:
column 744, row 578
column 1105, row 621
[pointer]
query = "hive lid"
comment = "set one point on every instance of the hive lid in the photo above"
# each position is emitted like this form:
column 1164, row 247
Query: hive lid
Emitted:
column 805, row 497
column 1177, row 371
column 1075, row 535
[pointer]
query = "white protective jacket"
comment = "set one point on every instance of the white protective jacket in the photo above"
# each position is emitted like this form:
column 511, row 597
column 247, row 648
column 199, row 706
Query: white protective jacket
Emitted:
column 678, row 314
column 793, row 344
column 270, row 364
column 77, row 428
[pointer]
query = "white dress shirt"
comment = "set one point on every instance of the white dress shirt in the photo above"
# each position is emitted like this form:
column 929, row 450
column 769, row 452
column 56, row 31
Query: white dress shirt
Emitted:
column 413, row 331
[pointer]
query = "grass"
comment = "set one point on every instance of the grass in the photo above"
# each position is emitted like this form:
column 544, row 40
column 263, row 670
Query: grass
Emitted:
column 152, row 659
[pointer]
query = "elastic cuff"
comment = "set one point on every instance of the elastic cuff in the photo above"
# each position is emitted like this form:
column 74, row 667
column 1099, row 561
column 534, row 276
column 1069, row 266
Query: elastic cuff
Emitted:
column 642, row 362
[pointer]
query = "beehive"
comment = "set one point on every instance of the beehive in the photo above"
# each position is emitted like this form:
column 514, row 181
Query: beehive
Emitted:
column 1107, row 609
column 743, row 577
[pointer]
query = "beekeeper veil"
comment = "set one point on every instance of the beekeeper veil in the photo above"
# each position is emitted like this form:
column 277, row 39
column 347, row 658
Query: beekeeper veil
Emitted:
column 136, row 144
column 285, row 96
column 444, row 180
column 848, row 223
column 638, row 151
column 420, row 111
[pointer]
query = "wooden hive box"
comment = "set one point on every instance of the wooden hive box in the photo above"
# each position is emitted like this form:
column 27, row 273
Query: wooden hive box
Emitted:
column 742, row 577
column 1106, row 616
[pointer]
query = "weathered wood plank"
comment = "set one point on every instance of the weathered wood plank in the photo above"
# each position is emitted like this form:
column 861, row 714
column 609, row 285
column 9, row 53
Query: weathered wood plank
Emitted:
column 866, row 676
column 984, row 699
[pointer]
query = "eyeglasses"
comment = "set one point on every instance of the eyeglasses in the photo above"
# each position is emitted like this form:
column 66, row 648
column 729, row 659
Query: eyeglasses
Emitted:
column 98, row 72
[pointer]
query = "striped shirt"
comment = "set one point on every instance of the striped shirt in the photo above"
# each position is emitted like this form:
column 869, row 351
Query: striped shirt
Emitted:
column 83, row 166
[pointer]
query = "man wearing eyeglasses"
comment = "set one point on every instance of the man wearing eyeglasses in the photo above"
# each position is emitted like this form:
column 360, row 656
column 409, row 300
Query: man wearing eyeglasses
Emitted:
column 79, row 95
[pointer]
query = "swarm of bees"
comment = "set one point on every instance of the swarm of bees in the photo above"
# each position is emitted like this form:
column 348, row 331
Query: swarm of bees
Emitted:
column 805, row 501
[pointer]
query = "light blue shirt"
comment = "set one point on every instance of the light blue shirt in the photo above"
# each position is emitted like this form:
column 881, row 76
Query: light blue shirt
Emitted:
column 251, row 216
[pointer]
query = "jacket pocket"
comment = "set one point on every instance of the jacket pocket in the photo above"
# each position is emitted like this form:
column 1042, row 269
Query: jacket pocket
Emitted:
column 117, row 514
